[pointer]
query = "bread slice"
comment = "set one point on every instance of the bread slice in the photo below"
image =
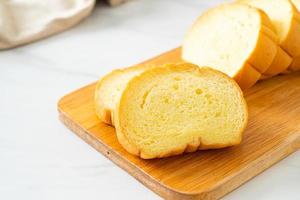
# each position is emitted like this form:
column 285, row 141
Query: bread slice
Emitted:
column 286, row 19
column 109, row 89
column 179, row 108
column 232, row 38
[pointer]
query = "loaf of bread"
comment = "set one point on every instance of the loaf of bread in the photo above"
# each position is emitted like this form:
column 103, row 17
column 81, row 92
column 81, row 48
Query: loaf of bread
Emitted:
column 179, row 108
column 236, row 39
column 110, row 88
column 286, row 19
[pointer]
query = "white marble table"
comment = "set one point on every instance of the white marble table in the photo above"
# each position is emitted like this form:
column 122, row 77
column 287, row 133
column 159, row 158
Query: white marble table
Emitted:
column 41, row 159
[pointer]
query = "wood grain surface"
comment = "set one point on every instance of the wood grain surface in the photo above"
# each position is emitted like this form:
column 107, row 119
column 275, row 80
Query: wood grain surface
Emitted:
column 273, row 133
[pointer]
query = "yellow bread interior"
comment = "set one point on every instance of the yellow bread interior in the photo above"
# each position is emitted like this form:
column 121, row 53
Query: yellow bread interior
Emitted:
column 285, row 18
column 179, row 108
column 230, row 37
column 109, row 89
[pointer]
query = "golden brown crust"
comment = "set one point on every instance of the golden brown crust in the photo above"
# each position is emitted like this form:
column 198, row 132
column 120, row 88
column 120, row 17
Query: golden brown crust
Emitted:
column 247, row 76
column 281, row 60
column 266, row 21
column 280, row 63
column 271, row 33
column 295, row 65
column 263, row 54
column 291, row 44
column 195, row 145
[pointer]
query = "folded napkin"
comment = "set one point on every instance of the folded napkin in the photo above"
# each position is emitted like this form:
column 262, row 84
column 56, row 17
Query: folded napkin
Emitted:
column 24, row 21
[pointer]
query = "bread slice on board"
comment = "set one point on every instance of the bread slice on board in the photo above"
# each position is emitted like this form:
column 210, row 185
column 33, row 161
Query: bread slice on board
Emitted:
column 179, row 108
column 286, row 19
column 109, row 89
column 232, row 38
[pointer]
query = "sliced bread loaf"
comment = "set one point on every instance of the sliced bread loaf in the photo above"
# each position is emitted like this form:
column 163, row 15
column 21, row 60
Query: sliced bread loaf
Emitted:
column 232, row 38
column 179, row 108
column 286, row 19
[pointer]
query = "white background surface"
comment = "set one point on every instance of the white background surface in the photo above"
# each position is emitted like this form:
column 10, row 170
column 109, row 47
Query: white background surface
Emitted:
column 41, row 159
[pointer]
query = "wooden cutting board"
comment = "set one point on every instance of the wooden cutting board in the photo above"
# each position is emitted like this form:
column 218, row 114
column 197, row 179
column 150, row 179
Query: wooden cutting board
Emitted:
column 273, row 133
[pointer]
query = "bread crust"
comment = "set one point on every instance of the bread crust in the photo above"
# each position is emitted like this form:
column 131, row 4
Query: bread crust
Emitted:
column 280, row 63
column 191, row 147
column 282, row 60
column 247, row 76
column 295, row 65
column 266, row 46
column 291, row 43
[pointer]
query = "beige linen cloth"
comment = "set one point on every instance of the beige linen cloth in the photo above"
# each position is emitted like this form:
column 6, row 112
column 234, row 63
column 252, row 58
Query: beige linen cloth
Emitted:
column 25, row 21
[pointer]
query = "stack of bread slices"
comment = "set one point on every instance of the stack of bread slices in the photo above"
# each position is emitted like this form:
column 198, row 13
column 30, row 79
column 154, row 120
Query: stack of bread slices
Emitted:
column 169, row 109
column 160, row 111
column 249, row 40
